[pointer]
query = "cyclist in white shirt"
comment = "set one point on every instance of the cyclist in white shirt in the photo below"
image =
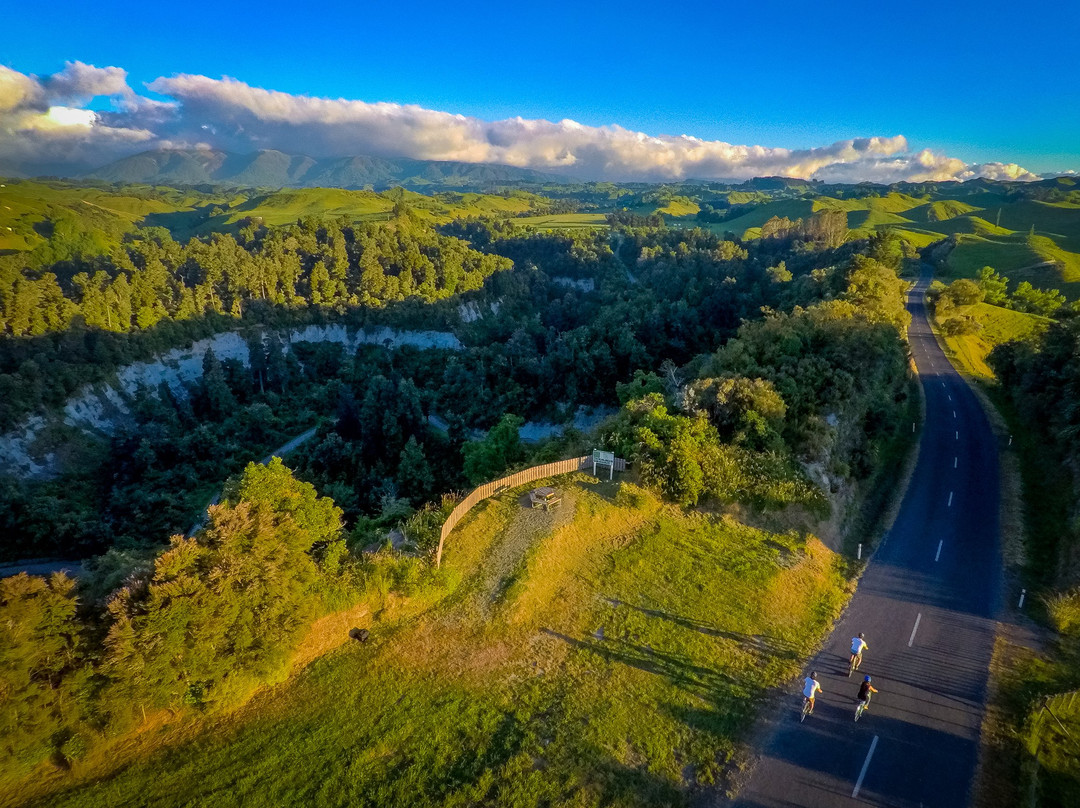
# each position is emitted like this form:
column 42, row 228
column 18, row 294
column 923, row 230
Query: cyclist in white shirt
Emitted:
column 811, row 688
column 858, row 645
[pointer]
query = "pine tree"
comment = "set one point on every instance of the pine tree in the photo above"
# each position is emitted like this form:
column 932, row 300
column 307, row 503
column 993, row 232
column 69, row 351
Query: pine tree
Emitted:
column 219, row 398
column 414, row 476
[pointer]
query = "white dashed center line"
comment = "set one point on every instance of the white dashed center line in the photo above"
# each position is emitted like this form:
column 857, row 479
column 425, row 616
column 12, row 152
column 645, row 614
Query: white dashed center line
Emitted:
column 911, row 639
column 950, row 499
column 955, row 460
column 865, row 766
column 937, row 555
column 958, row 434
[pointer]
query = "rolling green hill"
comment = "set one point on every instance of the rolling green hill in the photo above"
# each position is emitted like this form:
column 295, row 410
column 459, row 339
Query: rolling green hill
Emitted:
column 1035, row 259
column 790, row 208
column 30, row 210
column 1060, row 221
column 997, row 325
column 562, row 221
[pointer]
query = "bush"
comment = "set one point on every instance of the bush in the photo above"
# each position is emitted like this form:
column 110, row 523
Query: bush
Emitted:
column 959, row 325
column 1064, row 611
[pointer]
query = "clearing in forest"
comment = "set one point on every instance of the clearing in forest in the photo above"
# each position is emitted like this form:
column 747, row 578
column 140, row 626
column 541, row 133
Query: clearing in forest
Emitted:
column 611, row 651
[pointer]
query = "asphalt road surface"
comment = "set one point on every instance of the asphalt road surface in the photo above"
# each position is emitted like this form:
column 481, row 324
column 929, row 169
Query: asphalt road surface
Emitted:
column 926, row 603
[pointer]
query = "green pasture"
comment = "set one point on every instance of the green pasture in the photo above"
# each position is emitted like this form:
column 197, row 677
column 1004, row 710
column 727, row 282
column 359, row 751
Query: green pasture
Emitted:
column 997, row 325
column 611, row 652
column 563, row 221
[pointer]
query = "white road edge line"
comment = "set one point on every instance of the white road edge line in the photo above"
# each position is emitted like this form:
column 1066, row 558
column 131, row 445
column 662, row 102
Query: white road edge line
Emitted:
column 911, row 639
column 950, row 500
column 865, row 766
column 937, row 555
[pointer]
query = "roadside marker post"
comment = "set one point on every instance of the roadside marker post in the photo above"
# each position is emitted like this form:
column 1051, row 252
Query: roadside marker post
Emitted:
column 858, row 553
column 1023, row 594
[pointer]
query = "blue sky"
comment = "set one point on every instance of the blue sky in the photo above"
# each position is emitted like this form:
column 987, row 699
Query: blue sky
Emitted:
column 978, row 81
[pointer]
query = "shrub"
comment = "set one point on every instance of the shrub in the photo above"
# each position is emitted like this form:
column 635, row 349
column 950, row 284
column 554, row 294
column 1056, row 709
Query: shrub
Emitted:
column 1064, row 610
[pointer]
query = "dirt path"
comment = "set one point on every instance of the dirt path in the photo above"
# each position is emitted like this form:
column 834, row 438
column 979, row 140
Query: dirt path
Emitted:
column 468, row 638
column 525, row 528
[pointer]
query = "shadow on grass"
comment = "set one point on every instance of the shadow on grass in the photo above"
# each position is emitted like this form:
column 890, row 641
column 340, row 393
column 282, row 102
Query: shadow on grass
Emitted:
column 773, row 646
column 677, row 668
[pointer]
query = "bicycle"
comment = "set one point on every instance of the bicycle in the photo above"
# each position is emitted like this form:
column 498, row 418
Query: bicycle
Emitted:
column 853, row 664
column 807, row 709
column 863, row 704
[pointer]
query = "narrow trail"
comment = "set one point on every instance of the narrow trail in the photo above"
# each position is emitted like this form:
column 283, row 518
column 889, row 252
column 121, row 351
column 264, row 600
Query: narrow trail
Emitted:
column 527, row 526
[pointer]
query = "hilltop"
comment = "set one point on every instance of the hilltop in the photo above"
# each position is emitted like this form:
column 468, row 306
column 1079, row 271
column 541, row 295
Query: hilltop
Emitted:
column 269, row 168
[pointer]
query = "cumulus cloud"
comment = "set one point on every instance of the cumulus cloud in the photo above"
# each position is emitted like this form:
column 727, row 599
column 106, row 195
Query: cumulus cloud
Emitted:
column 45, row 128
column 43, row 122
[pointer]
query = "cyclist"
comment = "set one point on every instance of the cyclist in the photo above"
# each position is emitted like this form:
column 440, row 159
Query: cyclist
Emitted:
column 865, row 691
column 811, row 688
column 858, row 645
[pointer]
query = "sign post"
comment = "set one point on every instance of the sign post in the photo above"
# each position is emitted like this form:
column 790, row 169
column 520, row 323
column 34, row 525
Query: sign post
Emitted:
column 600, row 458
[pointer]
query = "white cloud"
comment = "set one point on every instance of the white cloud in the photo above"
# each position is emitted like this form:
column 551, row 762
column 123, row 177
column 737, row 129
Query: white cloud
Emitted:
column 43, row 123
column 78, row 83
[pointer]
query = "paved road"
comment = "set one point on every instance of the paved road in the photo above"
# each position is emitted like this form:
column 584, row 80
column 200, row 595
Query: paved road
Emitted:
column 280, row 451
column 926, row 603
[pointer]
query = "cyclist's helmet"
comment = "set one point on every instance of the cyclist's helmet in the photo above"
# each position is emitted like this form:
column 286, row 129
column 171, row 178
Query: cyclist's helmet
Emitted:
column 862, row 636
column 866, row 678
column 813, row 674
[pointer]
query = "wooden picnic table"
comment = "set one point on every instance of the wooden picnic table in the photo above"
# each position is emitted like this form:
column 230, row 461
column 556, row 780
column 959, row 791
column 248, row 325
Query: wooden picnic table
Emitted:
column 545, row 498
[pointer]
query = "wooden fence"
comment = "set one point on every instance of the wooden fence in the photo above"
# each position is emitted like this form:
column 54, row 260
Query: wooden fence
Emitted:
column 513, row 481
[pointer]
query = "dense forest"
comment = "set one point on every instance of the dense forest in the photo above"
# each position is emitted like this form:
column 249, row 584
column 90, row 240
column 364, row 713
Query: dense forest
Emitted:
column 553, row 346
column 756, row 374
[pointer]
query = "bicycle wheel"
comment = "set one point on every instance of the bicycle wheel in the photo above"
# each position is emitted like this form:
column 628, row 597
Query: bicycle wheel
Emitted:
column 805, row 710
column 859, row 710
column 850, row 667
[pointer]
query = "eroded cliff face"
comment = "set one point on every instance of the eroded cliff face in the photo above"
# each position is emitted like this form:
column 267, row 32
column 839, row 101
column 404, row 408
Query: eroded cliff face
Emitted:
column 99, row 410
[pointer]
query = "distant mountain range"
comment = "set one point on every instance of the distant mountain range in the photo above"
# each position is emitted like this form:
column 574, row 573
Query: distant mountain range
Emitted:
column 274, row 169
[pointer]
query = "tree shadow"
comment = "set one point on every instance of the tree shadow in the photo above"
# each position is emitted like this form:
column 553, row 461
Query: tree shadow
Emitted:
column 761, row 643
column 677, row 668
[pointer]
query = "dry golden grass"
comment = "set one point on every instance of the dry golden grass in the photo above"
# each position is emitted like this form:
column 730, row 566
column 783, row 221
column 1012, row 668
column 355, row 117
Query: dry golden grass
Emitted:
column 550, row 582
column 806, row 581
column 327, row 633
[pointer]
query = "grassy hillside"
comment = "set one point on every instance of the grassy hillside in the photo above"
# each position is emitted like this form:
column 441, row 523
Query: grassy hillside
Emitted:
column 28, row 207
column 997, row 325
column 1060, row 221
column 940, row 211
column 560, row 221
column 28, row 210
column 790, row 208
column 1035, row 259
column 679, row 206
column 890, row 203
column 611, row 652
column 285, row 207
